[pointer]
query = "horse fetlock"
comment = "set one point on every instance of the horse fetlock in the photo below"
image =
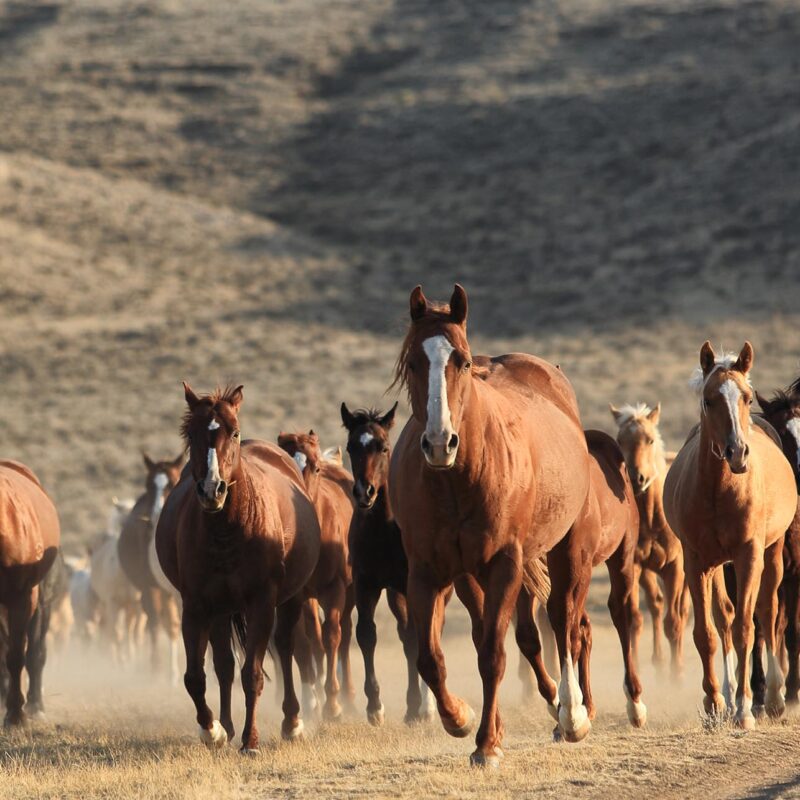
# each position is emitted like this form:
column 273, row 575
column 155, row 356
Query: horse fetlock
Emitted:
column 462, row 725
column 310, row 703
column 332, row 710
column 214, row 737
column 375, row 716
column 637, row 710
column 293, row 730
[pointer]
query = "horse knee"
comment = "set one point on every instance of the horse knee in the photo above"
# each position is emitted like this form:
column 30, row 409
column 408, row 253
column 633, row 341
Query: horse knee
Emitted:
column 366, row 633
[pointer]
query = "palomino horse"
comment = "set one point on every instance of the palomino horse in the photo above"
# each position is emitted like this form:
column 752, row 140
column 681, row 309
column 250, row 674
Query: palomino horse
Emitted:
column 137, row 556
column 238, row 534
column 783, row 413
column 730, row 495
column 659, row 550
column 29, row 539
column 488, row 475
column 378, row 559
column 330, row 487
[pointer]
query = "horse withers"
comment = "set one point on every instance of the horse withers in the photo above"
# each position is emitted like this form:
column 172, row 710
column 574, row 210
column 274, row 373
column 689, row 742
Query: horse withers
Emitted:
column 29, row 541
column 730, row 495
column 238, row 537
column 488, row 475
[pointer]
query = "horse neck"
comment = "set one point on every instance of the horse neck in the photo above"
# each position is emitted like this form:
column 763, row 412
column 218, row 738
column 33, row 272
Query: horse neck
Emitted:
column 479, row 416
column 651, row 502
column 240, row 507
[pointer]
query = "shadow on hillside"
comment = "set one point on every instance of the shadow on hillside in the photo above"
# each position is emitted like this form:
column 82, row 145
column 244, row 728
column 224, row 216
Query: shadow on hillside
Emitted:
column 586, row 174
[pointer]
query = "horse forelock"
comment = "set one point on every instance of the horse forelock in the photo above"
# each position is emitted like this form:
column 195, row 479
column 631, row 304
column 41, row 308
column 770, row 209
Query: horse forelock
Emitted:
column 725, row 362
column 637, row 416
column 436, row 322
column 219, row 402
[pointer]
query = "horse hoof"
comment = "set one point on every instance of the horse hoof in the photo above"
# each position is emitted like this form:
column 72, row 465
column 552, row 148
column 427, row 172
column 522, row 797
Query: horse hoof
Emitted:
column 714, row 707
column 637, row 713
column 15, row 720
column 249, row 752
column 214, row 737
column 463, row 730
column 484, row 760
column 775, row 709
column 747, row 722
column 294, row 734
column 332, row 711
column 37, row 716
column 557, row 735
column 376, row 717
column 792, row 700
column 575, row 725
column 759, row 712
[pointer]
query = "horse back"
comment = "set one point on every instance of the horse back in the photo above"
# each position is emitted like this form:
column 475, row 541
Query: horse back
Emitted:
column 29, row 527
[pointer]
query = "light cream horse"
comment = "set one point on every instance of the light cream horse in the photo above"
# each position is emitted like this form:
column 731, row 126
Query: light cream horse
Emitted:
column 659, row 552
column 730, row 495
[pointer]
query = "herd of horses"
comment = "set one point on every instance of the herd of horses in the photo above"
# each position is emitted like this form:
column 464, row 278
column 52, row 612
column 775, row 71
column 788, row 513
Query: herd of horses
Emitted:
column 493, row 491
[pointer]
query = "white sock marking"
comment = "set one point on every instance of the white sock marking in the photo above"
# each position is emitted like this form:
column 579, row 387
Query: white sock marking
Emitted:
column 438, row 349
column 572, row 715
column 775, row 687
column 729, row 682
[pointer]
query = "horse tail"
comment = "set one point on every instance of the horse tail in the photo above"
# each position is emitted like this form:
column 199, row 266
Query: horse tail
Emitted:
column 536, row 579
column 239, row 639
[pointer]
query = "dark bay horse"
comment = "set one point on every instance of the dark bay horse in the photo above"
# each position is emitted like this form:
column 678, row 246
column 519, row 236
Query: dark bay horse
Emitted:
column 659, row 551
column 238, row 535
column 29, row 540
column 730, row 495
column 378, row 559
column 136, row 550
column 487, row 477
column 330, row 487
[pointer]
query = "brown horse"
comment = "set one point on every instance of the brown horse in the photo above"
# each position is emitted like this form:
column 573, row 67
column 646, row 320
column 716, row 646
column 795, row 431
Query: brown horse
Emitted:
column 29, row 540
column 730, row 495
column 238, row 534
column 136, row 551
column 659, row 550
column 330, row 488
column 488, row 475
column 378, row 559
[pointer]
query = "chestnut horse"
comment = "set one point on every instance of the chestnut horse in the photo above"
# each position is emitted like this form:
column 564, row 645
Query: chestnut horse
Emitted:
column 488, row 475
column 238, row 534
column 659, row 550
column 378, row 559
column 330, row 487
column 29, row 540
column 135, row 549
column 730, row 495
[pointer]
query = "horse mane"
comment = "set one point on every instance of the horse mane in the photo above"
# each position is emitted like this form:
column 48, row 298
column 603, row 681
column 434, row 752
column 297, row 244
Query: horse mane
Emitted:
column 726, row 361
column 222, row 394
column 785, row 400
column 435, row 315
column 638, row 413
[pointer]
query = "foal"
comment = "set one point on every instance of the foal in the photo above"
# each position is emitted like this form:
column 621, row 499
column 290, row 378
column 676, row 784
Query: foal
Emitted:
column 730, row 495
column 238, row 535
column 658, row 551
column 378, row 559
column 330, row 488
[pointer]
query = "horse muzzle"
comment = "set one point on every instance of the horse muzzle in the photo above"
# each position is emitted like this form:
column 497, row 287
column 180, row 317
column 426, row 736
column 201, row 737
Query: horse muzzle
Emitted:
column 439, row 449
column 737, row 455
column 365, row 494
column 212, row 498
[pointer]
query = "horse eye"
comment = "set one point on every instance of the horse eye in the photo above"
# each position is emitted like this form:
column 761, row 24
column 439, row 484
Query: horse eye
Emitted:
column 236, row 434
column 650, row 441
column 385, row 451
column 468, row 366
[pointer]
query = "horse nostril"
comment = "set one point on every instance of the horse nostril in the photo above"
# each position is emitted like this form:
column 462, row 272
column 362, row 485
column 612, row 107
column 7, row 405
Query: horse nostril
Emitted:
column 729, row 452
column 746, row 450
column 222, row 487
column 370, row 490
column 453, row 443
column 641, row 479
column 426, row 445
column 199, row 487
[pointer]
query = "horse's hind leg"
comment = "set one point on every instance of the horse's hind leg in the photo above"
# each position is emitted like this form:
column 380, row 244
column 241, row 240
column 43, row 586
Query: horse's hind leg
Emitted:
column 287, row 617
column 648, row 580
column 620, row 603
column 758, row 679
column 348, row 689
column 530, row 647
column 303, row 652
column 367, row 597
column 224, row 665
column 20, row 611
column 332, row 601
column 196, row 627
column 724, row 613
column 674, row 579
column 171, row 621
column 767, row 610
column 584, row 665
column 547, row 637
column 570, row 578
column 408, row 637
column 260, row 618
column 790, row 588
column 312, row 633
column 35, row 658
column 426, row 603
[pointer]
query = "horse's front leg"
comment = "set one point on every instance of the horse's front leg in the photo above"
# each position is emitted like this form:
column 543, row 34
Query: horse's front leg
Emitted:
column 332, row 601
column 195, row 626
column 791, row 590
column 288, row 615
column 502, row 582
column 260, row 617
column 224, row 665
column 767, row 611
column 35, row 659
column 416, row 708
column 674, row 619
column 530, row 647
column 348, row 687
column 426, row 602
column 20, row 610
column 724, row 613
column 367, row 597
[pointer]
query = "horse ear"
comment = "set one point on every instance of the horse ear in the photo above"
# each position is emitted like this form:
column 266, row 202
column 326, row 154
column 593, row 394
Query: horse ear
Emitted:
column 191, row 398
column 348, row 420
column 615, row 412
column 458, row 305
column 148, row 462
column 179, row 461
column 707, row 357
column 418, row 303
column 311, row 432
column 387, row 420
column 236, row 397
column 655, row 415
column 745, row 360
column 763, row 402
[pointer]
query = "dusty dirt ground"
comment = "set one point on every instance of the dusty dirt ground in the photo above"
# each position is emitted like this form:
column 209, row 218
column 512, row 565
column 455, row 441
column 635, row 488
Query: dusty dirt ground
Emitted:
column 248, row 191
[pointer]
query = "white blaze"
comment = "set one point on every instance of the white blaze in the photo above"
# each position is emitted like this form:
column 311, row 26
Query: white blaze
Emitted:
column 731, row 392
column 438, row 349
column 793, row 426
column 160, row 481
column 212, row 476
column 729, row 683
column 301, row 460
